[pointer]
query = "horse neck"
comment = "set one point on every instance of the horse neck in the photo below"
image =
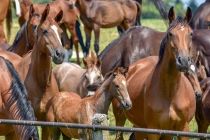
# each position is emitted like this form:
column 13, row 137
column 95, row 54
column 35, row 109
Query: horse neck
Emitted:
column 83, row 6
column 103, row 97
column 41, row 67
column 168, row 75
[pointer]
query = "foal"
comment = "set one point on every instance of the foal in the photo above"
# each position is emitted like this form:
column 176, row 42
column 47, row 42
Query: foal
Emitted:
column 69, row 107
column 72, row 78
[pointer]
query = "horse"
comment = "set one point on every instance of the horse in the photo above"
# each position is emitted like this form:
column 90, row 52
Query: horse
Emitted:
column 69, row 107
column 35, row 69
column 6, row 12
column 106, row 14
column 15, row 105
column 201, row 17
column 163, row 95
column 72, row 78
column 70, row 16
column 25, row 38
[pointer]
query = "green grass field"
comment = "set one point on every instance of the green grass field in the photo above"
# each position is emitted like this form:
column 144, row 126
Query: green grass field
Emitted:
column 107, row 35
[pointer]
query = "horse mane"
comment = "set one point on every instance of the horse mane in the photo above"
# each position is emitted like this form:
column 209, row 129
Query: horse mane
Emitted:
column 18, row 36
column 179, row 21
column 19, row 98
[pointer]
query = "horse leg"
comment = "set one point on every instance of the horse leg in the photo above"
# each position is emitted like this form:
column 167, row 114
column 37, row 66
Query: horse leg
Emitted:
column 152, row 137
column 79, row 35
column 72, row 30
column 2, row 35
column 119, row 119
column 50, row 133
column 97, row 36
column 202, row 128
column 185, row 128
column 88, row 37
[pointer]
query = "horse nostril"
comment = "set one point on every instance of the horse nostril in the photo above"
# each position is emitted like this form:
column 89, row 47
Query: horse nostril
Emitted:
column 179, row 60
column 57, row 53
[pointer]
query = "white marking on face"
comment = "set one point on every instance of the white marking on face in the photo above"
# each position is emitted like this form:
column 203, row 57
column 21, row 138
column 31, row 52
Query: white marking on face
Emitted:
column 182, row 28
column 92, row 77
column 90, row 93
column 124, row 82
column 192, row 67
column 55, row 29
column 18, row 9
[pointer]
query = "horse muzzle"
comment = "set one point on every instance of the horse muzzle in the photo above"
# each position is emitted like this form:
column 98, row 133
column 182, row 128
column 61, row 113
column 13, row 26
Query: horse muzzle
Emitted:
column 183, row 63
column 92, row 87
column 58, row 56
column 126, row 104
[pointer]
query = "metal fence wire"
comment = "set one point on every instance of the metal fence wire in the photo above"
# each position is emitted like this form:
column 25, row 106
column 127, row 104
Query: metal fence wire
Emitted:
column 98, row 128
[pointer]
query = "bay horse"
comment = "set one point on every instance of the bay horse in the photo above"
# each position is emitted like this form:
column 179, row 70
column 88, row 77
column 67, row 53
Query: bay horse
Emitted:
column 105, row 14
column 25, row 37
column 69, row 107
column 35, row 69
column 15, row 105
column 72, row 78
column 201, row 17
column 163, row 95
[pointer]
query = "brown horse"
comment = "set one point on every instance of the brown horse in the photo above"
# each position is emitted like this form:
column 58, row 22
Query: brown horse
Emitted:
column 36, row 69
column 15, row 105
column 162, row 97
column 25, row 38
column 105, row 14
column 201, row 17
column 72, row 78
column 70, row 15
column 69, row 107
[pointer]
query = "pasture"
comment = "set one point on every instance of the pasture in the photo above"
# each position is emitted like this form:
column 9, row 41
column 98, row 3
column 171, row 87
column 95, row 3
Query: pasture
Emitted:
column 107, row 35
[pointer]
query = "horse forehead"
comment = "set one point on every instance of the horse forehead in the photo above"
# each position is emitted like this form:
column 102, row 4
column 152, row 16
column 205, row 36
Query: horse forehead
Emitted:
column 55, row 30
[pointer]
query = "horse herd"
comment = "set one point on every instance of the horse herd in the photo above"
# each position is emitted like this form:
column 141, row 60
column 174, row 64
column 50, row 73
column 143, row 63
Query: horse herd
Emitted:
column 154, row 79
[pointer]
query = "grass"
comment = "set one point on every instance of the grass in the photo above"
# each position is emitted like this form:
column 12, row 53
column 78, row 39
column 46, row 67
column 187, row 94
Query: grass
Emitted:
column 107, row 35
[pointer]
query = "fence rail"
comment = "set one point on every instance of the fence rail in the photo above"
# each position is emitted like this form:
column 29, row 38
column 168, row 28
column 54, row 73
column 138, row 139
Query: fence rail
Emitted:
column 106, row 128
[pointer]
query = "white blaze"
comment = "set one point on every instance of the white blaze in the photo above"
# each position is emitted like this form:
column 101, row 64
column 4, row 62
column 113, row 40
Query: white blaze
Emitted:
column 18, row 10
column 192, row 67
column 55, row 29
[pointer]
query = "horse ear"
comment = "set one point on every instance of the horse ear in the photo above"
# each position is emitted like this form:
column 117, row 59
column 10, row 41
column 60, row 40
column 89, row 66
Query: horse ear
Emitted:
column 59, row 16
column 98, row 63
column 45, row 14
column 171, row 15
column 84, row 62
column 188, row 14
column 31, row 11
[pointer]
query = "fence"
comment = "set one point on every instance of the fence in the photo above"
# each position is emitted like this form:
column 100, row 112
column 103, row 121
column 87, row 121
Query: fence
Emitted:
column 98, row 128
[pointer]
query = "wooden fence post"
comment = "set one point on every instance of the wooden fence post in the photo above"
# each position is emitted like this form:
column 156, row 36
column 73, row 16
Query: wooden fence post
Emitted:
column 99, row 119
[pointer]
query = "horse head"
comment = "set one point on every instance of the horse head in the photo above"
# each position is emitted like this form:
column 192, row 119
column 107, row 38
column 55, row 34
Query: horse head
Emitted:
column 48, row 36
column 93, row 73
column 179, row 38
column 119, row 87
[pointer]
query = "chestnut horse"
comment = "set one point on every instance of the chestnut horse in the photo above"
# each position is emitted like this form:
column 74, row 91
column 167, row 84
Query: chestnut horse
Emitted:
column 201, row 17
column 72, row 78
column 69, row 107
column 36, row 69
column 15, row 105
column 163, row 95
column 106, row 14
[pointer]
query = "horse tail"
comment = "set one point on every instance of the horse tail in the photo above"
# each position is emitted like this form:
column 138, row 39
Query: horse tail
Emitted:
column 9, row 20
column 138, row 15
column 18, row 105
column 162, row 10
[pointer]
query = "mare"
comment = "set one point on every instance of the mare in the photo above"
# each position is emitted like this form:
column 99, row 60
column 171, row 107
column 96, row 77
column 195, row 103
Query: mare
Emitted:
column 72, row 78
column 35, row 69
column 201, row 17
column 69, row 107
column 15, row 105
column 162, row 97
column 70, row 16
column 105, row 14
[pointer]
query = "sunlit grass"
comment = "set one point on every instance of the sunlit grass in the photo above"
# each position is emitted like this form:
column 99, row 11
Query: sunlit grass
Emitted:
column 107, row 35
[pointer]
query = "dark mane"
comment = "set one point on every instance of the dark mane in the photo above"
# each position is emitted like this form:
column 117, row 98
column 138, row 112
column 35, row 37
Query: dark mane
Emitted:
column 179, row 21
column 18, row 36
column 24, row 110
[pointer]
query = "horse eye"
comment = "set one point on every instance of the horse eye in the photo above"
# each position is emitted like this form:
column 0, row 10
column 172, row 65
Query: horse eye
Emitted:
column 191, row 34
column 45, row 32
